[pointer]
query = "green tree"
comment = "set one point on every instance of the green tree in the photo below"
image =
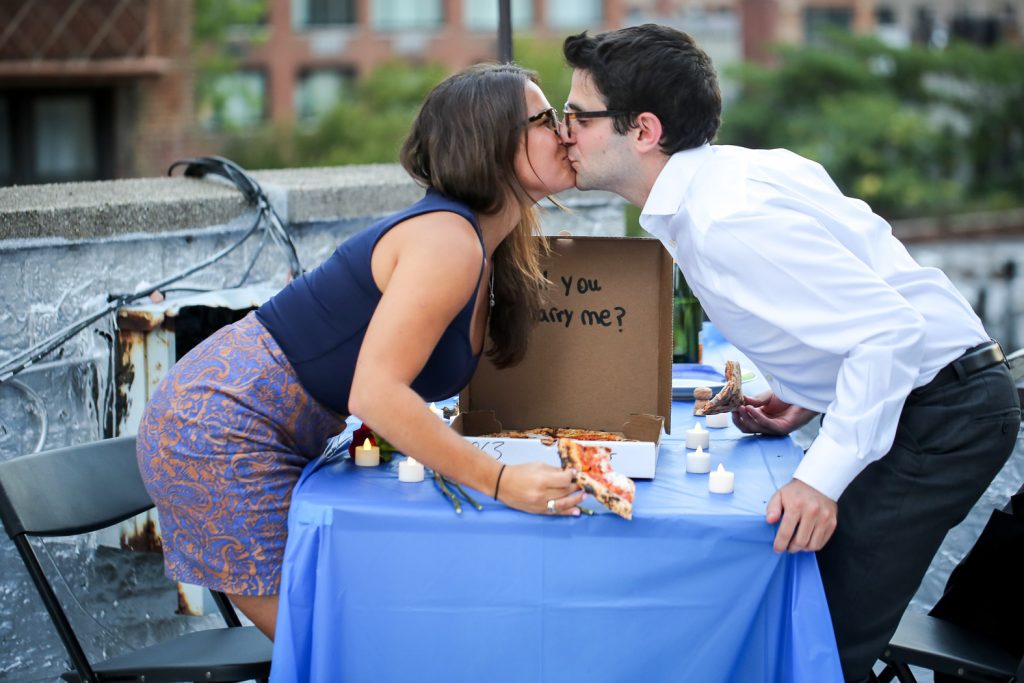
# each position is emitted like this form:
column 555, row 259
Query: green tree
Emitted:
column 214, row 25
column 545, row 57
column 911, row 131
column 367, row 127
column 370, row 125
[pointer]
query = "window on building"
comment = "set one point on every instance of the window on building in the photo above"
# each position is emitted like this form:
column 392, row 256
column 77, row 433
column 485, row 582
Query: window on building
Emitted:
column 403, row 15
column 482, row 15
column 819, row 21
column 324, row 12
column 885, row 15
column 65, row 146
column 320, row 90
column 237, row 101
column 49, row 136
column 572, row 15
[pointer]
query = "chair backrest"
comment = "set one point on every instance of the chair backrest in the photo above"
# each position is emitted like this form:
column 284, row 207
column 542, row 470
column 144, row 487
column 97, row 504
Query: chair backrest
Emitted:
column 72, row 490
column 69, row 491
column 64, row 492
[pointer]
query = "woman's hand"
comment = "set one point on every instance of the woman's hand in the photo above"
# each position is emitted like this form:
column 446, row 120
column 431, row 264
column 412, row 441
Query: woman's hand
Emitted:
column 529, row 487
column 768, row 414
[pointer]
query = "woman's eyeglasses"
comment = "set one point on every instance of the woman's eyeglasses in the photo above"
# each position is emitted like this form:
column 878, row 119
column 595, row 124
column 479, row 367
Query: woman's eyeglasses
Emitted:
column 551, row 120
column 550, row 116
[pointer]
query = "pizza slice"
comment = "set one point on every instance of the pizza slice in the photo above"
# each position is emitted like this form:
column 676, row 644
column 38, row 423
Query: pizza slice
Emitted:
column 730, row 397
column 588, row 435
column 540, row 435
column 594, row 474
column 701, row 396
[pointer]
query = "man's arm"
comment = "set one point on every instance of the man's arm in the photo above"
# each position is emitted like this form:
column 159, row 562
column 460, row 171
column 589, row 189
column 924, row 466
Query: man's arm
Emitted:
column 808, row 516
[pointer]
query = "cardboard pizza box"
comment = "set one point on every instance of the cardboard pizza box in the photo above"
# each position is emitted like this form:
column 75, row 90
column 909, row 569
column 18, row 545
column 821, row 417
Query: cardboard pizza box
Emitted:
column 599, row 358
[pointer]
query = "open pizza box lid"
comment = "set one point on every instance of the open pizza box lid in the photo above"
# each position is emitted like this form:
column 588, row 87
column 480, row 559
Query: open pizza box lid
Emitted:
column 599, row 358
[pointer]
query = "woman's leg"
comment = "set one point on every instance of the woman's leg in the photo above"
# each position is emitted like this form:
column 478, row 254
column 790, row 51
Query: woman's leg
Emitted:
column 260, row 609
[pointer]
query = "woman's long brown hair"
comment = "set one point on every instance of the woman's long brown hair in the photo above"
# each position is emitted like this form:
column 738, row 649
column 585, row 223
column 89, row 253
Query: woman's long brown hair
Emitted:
column 463, row 144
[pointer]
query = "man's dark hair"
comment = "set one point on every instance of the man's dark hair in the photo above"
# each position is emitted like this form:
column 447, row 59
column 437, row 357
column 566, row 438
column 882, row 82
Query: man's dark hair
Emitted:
column 655, row 69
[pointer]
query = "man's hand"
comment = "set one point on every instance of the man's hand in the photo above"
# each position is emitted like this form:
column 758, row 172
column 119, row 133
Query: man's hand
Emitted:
column 808, row 517
column 768, row 414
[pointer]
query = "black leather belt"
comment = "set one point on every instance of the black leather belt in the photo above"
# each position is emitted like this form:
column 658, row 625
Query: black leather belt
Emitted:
column 973, row 361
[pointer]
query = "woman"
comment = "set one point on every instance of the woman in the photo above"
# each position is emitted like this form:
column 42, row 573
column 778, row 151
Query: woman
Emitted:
column 395, row 317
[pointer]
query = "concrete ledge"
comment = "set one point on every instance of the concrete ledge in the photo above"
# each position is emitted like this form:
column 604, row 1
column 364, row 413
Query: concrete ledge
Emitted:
column 342, row 191
column 980, row 224
column 77, row 211
column 83, row 211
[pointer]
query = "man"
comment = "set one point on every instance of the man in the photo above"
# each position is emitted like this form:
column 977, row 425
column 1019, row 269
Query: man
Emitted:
column 919, row 410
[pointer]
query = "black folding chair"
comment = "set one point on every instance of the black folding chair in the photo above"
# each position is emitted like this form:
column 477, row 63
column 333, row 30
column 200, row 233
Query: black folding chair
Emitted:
column 79, row 489
column 931, row 643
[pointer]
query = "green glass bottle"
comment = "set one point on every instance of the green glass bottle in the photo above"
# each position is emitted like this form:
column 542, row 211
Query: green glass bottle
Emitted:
column 687, row 318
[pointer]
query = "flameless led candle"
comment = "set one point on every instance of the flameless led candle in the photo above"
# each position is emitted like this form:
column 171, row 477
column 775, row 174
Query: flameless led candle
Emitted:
column 721, row 480
column 410, row 470
column 718, row 420
column 367, row 455
column 697, row 437
column 698, row 462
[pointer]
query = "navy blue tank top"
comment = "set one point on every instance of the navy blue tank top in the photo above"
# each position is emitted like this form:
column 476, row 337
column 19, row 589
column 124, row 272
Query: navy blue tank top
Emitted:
column 319, row 320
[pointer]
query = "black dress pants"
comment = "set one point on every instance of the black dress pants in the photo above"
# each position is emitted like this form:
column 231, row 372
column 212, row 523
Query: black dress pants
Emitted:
column 953, row 438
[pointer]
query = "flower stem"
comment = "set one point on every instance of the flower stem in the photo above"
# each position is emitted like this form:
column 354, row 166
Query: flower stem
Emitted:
column 465, row 495
column 439, row 480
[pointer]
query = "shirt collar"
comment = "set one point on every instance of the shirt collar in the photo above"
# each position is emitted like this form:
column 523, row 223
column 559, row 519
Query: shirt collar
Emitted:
column 670, row 186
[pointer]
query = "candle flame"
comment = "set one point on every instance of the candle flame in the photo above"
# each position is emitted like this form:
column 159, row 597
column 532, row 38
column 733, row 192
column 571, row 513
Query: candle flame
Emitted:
column 366, row 443
column 696, row 427
column 411, row 460
column 721, row 468
column 700, row 450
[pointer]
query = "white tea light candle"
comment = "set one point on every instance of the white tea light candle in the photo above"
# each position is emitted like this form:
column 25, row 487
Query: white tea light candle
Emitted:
column 367, row 455
column 698, row 462
column 721, row 480
column 697, row 437
column 410, row 470
column 718, row 420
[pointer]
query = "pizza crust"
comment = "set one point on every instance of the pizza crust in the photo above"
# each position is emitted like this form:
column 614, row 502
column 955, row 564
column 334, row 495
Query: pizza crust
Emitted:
column 595, row 476
column 549, row 434
column 730, row 397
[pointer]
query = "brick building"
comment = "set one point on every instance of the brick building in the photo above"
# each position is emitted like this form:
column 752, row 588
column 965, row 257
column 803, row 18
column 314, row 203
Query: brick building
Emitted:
column 93, row 89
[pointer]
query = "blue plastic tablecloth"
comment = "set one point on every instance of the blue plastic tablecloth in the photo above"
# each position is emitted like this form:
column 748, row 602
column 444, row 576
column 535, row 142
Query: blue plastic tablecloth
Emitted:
column 382, row 581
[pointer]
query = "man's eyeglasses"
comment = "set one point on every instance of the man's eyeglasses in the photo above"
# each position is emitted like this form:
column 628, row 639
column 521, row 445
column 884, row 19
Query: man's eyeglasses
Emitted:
column 570, row 116
column 550, row 116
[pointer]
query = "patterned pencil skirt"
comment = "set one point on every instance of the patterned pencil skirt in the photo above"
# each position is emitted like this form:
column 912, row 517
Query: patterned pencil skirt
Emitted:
column 221, row 445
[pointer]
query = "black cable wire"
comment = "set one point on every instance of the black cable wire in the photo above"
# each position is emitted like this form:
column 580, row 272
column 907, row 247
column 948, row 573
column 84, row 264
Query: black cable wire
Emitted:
column 199, row 167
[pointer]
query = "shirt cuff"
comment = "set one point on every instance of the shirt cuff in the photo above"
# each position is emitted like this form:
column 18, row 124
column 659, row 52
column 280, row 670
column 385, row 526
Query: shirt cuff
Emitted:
column 829, row 467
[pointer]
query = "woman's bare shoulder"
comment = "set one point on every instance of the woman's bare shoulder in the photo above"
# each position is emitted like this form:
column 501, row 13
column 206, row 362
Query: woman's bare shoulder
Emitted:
column 437, row 234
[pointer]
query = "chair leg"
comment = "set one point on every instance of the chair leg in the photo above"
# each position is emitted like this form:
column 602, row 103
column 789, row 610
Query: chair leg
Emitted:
column 899, row 670
column 227, row 610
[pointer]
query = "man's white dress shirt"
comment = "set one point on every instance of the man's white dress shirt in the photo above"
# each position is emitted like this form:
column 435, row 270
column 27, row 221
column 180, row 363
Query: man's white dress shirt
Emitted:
column 814, row 289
